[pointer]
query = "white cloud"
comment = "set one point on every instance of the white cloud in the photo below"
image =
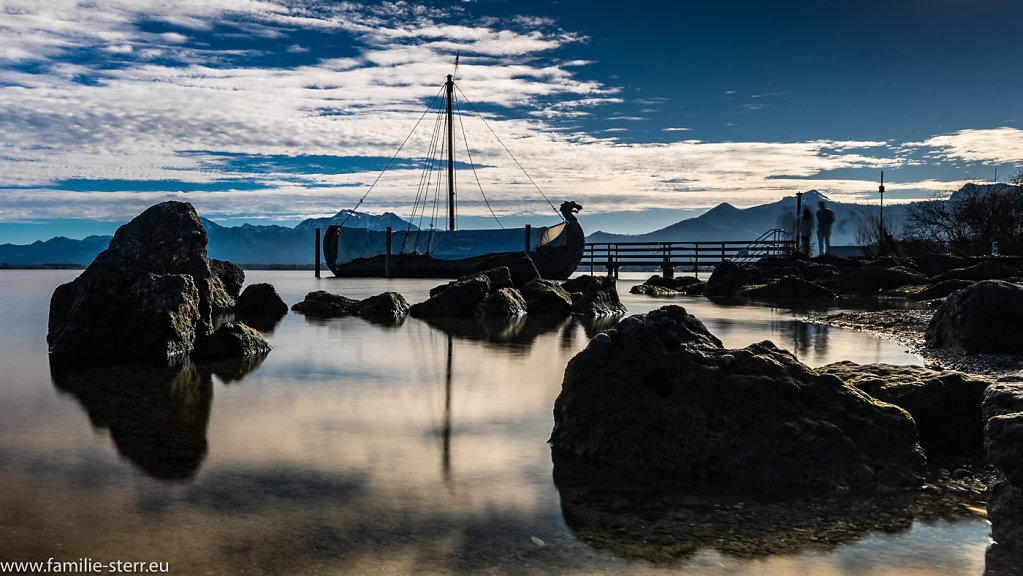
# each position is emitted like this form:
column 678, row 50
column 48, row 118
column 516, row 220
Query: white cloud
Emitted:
column 173, row 105
column 1000, row 145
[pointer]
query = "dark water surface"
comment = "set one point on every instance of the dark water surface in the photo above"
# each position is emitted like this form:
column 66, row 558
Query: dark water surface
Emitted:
column 358, row 448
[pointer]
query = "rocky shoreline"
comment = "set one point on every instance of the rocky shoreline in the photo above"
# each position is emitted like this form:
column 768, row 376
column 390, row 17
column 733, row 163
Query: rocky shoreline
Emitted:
column 908, row 327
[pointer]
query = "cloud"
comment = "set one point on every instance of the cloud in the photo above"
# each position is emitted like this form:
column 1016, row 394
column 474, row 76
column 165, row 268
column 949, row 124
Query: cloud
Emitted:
column 998, row 145
column 99, row 93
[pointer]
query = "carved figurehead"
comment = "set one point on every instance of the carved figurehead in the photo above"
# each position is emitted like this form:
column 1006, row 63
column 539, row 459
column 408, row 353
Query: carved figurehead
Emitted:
column 569, row 210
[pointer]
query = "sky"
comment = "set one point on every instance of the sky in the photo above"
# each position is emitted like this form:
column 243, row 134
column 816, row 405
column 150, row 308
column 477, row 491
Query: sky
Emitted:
column 644, row 112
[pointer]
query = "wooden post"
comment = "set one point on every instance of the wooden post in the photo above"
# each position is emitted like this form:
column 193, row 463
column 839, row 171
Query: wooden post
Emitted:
column 529, row 233
column 667, row 270
column 696, row 261
column 610, row 264
column 387, row 255
column 316, row 263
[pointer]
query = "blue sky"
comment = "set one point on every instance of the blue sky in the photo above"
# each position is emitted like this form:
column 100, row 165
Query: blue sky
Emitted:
column 645, row 112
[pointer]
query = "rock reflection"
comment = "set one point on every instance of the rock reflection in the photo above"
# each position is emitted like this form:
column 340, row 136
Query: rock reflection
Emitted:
column 665, row 520
column 157, row 415
column 523, row 330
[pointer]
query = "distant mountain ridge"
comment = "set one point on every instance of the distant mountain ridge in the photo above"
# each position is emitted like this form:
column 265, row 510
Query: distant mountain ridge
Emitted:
column 726, row 222
column 280, row 245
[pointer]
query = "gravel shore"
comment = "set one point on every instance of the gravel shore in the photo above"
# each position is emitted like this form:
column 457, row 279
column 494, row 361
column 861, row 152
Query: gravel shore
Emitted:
column 908, row 326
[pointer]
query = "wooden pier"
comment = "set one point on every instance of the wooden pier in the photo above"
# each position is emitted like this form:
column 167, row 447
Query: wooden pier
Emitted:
column 673, row 257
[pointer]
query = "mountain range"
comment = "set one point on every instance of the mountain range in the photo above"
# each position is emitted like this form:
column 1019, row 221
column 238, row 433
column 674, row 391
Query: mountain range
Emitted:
column 280, row 245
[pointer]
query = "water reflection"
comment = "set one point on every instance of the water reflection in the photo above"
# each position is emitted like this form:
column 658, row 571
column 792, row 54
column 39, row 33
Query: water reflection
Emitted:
column 521, row 331
column 665, row 520
column 157, row 414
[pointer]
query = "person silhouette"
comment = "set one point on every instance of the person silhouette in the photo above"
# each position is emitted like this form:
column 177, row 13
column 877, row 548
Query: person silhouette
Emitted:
column 825, row 218
column 805, row 225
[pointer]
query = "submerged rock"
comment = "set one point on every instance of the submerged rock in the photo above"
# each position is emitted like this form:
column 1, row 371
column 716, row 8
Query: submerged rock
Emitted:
column 231, row 340
column 986, row 317
column 146, row 298
column 788, row 287
column 547, row 297
column 385, row 306
column 597, row 296
column 502, row 303
column 260, row 300
column 325, row 304
column 659, row 392
column 459, row 299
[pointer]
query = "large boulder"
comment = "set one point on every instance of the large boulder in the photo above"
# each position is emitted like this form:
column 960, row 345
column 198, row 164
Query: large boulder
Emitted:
column 945, row 405
column 1005, row 445
column 658, row 391
column 457, row 300
column 594, row 296
column 231, row 340
column 986, row 317
column 260, row 300
column 145, row 298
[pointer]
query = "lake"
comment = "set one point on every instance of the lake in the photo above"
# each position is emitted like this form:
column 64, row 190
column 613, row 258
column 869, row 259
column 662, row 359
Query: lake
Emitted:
column 359, row 448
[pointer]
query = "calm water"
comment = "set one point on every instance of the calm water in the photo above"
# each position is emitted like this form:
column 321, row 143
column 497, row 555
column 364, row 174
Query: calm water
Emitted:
column 356, row 448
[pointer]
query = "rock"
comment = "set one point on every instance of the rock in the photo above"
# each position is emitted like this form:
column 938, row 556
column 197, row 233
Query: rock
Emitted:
column 945, row 405
column 941, row 289
column 324, row 304
column 260, row 300
column 788, row 287
column 689, row 284
column 388, row 305
column 523, row 271
column 598, row 296
column 1005, row 510
column 1002, row 398
column 1005, row 445
column 987, row 270
column 499, row 277
column 546, row 297
column 227, row 286
column 986, row 317
column 726, row 280
column 937, row 264
column 459, row 299
column 872, row 278
column 146, row 298
column 658, row 394
column 660, row 281
column 651, row 290
column 502, row 303
column 231, row 340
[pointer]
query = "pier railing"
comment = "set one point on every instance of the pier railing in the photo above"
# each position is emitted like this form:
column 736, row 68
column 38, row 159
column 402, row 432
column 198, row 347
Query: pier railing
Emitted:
column 673, row 257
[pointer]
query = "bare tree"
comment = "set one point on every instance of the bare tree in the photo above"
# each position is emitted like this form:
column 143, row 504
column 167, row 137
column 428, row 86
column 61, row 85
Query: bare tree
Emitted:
column 968, row 221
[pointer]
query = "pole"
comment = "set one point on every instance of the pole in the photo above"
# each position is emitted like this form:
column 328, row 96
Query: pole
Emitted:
column 880, row 220
column 450, row 85
column 316, row 263
column 387, row 256
column 529, row 236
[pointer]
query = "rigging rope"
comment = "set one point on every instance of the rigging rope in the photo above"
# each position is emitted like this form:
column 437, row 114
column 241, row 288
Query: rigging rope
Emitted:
column 388, row 165
column 473, row 166
column 469, row 102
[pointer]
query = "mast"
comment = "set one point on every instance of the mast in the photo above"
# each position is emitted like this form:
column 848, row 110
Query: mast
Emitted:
column 449, row 85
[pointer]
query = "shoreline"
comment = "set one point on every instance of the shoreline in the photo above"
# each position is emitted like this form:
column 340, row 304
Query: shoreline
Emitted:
column 907, row 327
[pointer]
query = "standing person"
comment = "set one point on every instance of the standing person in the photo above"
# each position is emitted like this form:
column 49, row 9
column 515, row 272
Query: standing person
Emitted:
column 805, row 227
column 825, row 218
